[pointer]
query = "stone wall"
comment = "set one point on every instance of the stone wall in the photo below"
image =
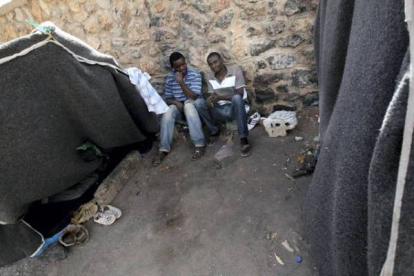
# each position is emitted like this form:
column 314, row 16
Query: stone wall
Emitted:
column 270, row 39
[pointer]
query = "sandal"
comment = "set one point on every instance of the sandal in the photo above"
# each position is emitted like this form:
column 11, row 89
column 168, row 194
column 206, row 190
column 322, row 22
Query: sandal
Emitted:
column 159, row 158
column 213, row 139
column 74, row 234
column 198, row 153
column 246, row 150
column 104, row 218
column 84, row 213
column 68, row 238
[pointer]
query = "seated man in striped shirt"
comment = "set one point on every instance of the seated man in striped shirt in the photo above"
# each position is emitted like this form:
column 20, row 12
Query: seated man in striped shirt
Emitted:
column 226, row 101
column 182, row 91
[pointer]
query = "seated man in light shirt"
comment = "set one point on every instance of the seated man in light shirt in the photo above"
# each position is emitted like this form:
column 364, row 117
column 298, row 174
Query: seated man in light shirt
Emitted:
column 182, row 90
column 226, row 90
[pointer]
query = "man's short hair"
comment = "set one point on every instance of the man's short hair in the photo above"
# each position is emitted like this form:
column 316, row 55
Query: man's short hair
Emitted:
column 212, row 55
column 175, row 56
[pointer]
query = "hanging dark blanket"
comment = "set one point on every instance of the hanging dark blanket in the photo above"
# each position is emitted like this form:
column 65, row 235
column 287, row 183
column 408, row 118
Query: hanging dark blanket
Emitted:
column 360, row 46
column 50, row 104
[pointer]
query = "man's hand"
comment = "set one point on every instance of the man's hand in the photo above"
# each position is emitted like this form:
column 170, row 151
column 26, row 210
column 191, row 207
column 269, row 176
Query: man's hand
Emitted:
column 179, row 77
column 212, row 100
column 179, row 105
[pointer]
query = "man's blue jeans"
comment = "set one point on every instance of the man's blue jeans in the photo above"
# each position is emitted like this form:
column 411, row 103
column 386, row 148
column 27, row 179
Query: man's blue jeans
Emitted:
column 193, row 121
column 231, row 111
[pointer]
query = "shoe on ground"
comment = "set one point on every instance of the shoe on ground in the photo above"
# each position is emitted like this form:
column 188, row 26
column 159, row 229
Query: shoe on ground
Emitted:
column 246, row 150
column 85, row 212
column 213, row 139
column 74, row 234
column 104, row 218
column 159, row 158
column 111, row 210
column 198, row 153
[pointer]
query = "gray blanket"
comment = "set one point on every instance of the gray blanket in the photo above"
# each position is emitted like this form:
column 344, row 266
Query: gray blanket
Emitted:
column 50, row 104
column 360, row 46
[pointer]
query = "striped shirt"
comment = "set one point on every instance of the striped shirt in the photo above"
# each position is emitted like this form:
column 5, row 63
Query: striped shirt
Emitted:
column 173, row 90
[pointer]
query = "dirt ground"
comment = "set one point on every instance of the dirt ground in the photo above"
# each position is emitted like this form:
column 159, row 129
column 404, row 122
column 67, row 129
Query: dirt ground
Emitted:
column 202, row 217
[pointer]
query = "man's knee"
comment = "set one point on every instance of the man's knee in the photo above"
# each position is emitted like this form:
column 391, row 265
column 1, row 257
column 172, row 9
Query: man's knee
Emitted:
column 190, row 109
column 237, row 99
column 169, row 115
column 200, row 103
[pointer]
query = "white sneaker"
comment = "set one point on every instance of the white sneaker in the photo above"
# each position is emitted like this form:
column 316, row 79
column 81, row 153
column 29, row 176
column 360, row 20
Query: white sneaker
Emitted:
column 254, row 119
column 104, row 218
column 111, row 209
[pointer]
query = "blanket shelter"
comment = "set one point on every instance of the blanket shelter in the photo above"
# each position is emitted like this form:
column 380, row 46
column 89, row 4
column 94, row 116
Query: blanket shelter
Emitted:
column 363, row 57
column 56, row 94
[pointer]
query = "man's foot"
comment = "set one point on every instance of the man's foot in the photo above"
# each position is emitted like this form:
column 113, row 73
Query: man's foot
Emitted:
column 198, row 153
column 246, row 150
column 213, row 138
column 159, row 158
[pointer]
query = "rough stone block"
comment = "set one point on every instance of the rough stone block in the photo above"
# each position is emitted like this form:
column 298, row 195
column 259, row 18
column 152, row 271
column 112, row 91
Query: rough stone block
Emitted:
column 104, row 4
column 261, row 65
column 282, row 61
column 267, row 79
column 200, row 6
column 274, row 28
column 304, row 77
column 80, row 16
column 257, row 49
column 282, row 88
column 253, row 31
column 92, row 26
column 7, row 7
column 311, row 99
column 266, row 95
column 216, row 38
column 291, row 40
column 296, row 6
column 187, row 18
column 19, row 15
column 219, row 5
column 225, row 20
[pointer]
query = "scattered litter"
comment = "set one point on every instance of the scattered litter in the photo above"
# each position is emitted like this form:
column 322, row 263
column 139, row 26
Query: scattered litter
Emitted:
column 298, row 259
column 278, row 259
column 253, row 120
column 298, row 138
column 268, row 236
column 226, row 150
column 289, row 176
column 271, row 235
column 287, row 246
column 216, row 165
column 307, row 159
column 301, row 158
column 317, row 138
